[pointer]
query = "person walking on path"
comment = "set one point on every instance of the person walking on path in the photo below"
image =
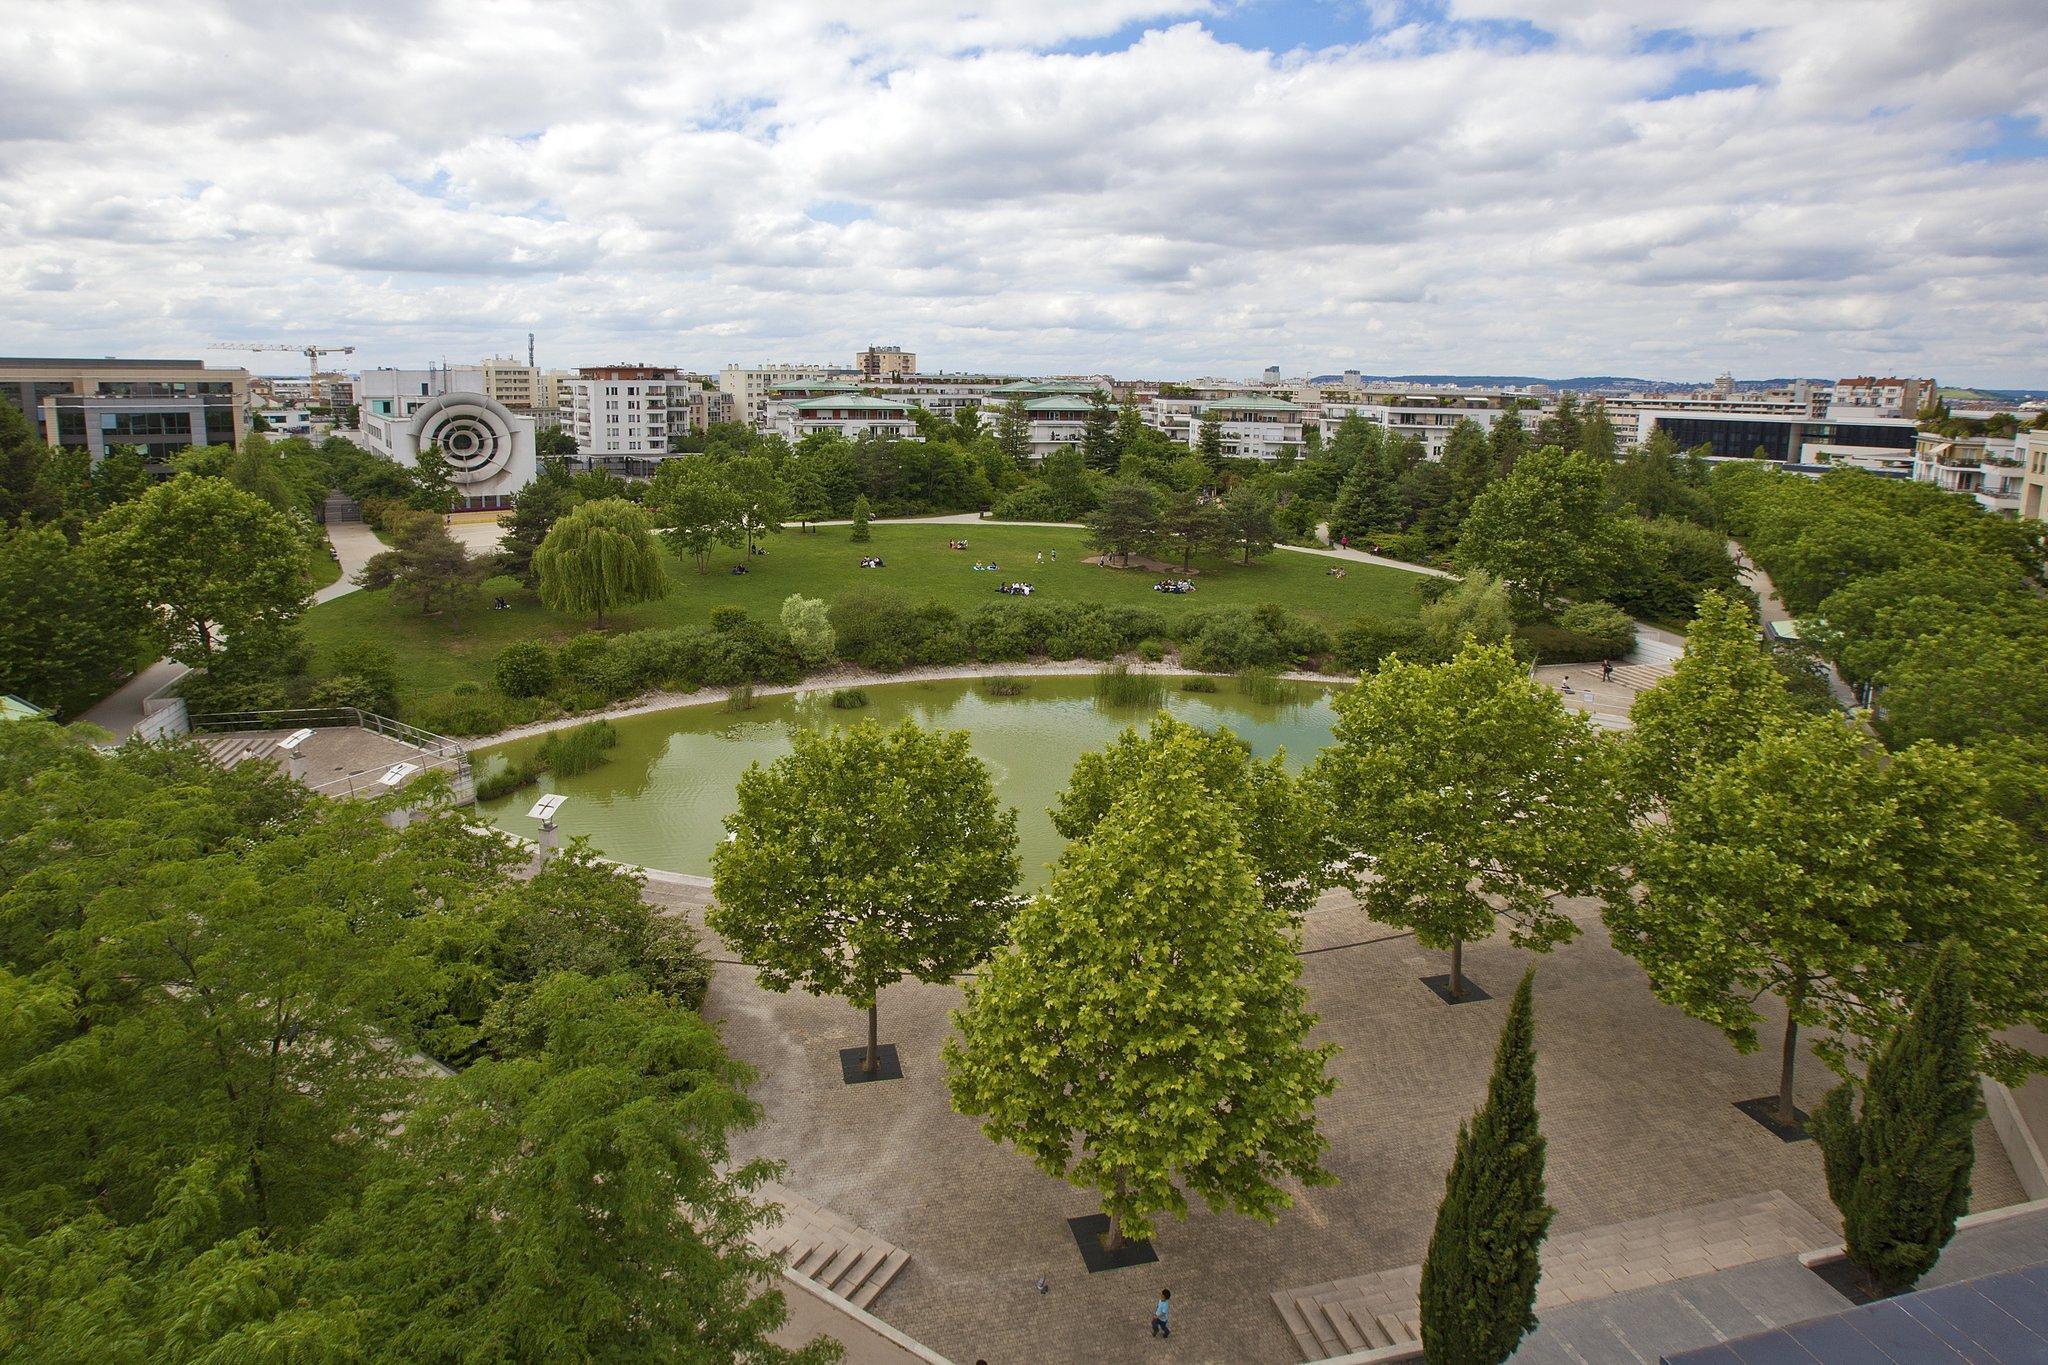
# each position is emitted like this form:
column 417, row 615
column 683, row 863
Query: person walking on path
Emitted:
column 1159, row 1324
column 1607, row 670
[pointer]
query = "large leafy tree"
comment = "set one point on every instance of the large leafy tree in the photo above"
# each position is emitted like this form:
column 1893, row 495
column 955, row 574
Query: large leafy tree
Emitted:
column 1479, row 1278
column 1278, row 823
column 1899, row 1170
column 1127, row 519
column 535, row 510
column 68, row 630
column 425, row 564
column 1251, row 519
column 1542, row 527
column 600, row 556
column 1463, row 794
column 758, row 501
column 213, row 562
column 697, row 512
column 1814, row 867
column 1722, row 694
column 864, row 856
column 1190, row 523
column 1143, row 1036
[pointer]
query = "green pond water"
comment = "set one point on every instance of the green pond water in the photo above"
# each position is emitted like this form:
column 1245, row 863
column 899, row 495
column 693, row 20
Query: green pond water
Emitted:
column 660, row 798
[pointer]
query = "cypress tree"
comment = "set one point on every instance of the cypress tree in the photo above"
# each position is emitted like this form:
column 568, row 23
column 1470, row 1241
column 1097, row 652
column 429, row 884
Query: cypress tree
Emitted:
column 861, row 513
column 1479, row 1278
column 1899, row 1170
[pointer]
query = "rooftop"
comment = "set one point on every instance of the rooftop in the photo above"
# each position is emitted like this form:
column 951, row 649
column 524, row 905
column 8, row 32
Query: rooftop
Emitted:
column 854, row 402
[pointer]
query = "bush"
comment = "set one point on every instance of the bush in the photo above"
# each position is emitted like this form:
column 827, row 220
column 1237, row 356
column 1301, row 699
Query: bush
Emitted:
column 592, row 662
column 376, row 669
column 849, row 699
column 525, row 669
column 567, row 753
column 1151, row 651
column 1198, row 685
column 1236, row 638
column 465, row 717
column 729, row 617
column 740, row 698
column 1603, row 623
column 346, row 689
column 809, row 628
column 1369, row 641
column 1006, row 687
column 516, row 773
column 876, row 628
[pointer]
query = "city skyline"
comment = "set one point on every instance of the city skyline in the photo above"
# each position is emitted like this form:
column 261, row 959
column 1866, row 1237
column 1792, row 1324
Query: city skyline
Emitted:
column 1172, row 190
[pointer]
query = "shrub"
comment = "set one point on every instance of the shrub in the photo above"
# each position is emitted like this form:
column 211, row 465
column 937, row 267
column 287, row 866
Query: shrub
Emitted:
column 849, row 699
column 740, row 698
column 376, row 668
column 346, row 689
column 566, row 753
column 728, row 617
column 1601, row 623
column 591, row 661
column 464, row 717
column 525, row 669
column 876, row 628
column 516, row 773
column 1006, row 687
column 1233, row 639
column 1369, row 641
column 1119, row 686
column 1198, row 685
column 809, row 628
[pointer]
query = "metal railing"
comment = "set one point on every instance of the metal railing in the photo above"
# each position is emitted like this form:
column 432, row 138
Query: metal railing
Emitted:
column 446, row 753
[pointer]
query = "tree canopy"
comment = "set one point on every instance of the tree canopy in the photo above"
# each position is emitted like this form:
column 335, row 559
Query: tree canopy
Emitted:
column 599, row 557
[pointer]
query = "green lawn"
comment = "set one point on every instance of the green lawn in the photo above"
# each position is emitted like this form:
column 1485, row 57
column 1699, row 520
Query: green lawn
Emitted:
column 434, row 655
column 320, row 567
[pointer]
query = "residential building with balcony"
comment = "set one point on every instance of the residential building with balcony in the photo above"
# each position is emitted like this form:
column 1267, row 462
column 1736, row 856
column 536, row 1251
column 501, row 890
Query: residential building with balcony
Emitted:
column 751, row 386
column 1253, row 426
column 852, row 415
column 1427, row 421
column 1991, row 469
column 1891, row 397
column 1055, row 410
column 885, row 362
column 2033, row 453
column 158, row 407
column 632, row 411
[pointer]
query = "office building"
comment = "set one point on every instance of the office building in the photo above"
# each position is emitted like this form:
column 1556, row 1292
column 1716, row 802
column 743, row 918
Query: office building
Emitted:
column 158, row 407
column 1881, row 444
column 489, row 449
column 885, row 362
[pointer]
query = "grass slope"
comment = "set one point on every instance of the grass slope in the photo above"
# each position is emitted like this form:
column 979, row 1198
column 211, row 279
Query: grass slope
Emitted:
column 434, row 654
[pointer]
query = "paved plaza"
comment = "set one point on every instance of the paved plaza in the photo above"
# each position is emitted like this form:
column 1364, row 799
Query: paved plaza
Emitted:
column 1637, row 1102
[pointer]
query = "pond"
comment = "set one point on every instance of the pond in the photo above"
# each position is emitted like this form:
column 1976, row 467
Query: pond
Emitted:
column 660, row 798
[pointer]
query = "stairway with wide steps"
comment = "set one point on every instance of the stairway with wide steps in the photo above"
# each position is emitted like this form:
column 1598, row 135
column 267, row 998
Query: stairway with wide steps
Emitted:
column 230, row 749
column 1368, row 1312
column 824, row 1248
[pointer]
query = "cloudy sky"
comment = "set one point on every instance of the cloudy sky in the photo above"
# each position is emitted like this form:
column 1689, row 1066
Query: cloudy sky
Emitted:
column 1550, row 187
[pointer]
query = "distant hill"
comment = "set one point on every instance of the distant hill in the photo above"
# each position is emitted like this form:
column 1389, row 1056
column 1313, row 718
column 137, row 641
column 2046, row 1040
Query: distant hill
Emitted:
column 1621, row 383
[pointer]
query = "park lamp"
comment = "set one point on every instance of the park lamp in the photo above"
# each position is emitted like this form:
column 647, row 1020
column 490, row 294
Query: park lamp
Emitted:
column 295, row 762
column 544, row 811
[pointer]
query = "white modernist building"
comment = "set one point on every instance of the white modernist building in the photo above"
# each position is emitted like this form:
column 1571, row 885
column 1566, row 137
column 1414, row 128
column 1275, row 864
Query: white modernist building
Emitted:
column 852, row 415
column 1253, row 426
column 1055, row 411
column 488, row 447
column 1427, row 422
column 1991, row 469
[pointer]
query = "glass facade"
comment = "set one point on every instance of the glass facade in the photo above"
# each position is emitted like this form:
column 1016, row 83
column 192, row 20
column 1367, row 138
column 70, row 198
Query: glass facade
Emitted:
column 1738, row 438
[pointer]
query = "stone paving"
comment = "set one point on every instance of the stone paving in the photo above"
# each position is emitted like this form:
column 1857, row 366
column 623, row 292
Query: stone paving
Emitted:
column 1637, row 1103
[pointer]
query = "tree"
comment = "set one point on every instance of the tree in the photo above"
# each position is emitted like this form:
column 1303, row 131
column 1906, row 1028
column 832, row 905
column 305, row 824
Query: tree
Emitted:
column 1813, row 867
column 535, row 510
column 758, row 502
column 1099, row 444
column 1209, row 439
column 1067, row 483
column 600, row 556
column 1597, row 436
column 433, row 481
column 426, row 565
column 1508, row 441
column 1479, row 1277
column 68, row 627
column 1368, row 502
column 1127, row 519
column 1464, row 793
column 863, row 856
column 1142, row 1036
column 697, row 513
column 1278, row 822
column 551, row 442
column 254, row 469
column 25, row 489
column 1477, row 611
column 809, row 629
column 1251, row 519
column 1195, row 524
column 1722, row 694
column 1562, row 428
column 862, row 513
column 1543, row 527
column 212, row 561
column 805, row 494
column 1899, row 1170
column 1013, row 432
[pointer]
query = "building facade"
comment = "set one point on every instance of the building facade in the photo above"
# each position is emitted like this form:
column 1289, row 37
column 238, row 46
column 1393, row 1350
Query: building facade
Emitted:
column 1427, row 422
column 751, row 386
column 2033, row 453
column 633, row 410
column 489, row 449
column 885, row 362
column 158, row 407
column 1991, row 469
column 852, row 415
column 1882, row 444
column 1890, row 397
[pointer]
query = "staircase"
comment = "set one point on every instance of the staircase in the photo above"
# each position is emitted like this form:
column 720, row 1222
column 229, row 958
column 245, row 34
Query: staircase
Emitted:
column 1367, row 1312
column 826, row 1249
column 231, row 749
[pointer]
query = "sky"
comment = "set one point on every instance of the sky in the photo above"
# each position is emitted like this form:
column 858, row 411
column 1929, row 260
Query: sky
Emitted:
column 1545, row 187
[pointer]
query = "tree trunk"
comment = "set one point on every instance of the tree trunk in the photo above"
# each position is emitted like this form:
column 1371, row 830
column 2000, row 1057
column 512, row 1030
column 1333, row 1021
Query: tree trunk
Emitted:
column 1789, row 1059
column 1457, row 969
column 874, row 1059
column 1113, row 1240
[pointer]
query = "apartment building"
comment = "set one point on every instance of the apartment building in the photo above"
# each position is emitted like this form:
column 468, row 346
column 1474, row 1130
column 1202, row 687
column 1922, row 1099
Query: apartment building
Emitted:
column 1889, row 397
column 522, row 387
column 1991, row 469
column 1880, row 444
column 852, row 415
column 1055, row 410
column 885, row 362
column 751, row 386
column 2033, row 453
column 157, row 406
column 335, row 391
column 1427, row 421
column 632, row 410
column 1253, row 426
column 489, row 449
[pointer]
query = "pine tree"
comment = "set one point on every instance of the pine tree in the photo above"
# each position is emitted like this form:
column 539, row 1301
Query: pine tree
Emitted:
column 1479, row 1278
column 1900, row 1170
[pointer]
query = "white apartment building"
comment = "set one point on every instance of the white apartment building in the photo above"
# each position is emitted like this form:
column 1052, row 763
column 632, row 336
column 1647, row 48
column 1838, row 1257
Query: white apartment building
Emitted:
column 1427, row 421
column 852, row 415
column 1892, row 397
column 1055, row 410
column 1991, row 469
column 489, row 448
column 751, row 386
column 2033, row 453
column 1254, row 427
column 618, row 411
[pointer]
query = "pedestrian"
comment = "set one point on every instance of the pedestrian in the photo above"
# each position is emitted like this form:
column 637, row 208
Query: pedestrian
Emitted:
column 1159, row 1324
column 1568, row 684
column 1039, row 558
column 1055, row 556
column 1607, row 670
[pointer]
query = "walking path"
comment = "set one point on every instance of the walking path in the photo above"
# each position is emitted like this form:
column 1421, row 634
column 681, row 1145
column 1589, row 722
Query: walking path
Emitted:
column 1771, row 608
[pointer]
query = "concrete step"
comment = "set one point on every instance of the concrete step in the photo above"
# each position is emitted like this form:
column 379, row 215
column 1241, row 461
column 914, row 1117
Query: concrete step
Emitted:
column 878, row 1278
column 831, row 1252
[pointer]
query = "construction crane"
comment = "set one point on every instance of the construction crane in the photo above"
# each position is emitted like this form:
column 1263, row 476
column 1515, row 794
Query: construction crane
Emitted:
column 312, row 353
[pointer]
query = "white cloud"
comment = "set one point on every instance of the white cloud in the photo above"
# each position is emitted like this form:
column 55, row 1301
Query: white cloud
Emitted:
column 1544, row 186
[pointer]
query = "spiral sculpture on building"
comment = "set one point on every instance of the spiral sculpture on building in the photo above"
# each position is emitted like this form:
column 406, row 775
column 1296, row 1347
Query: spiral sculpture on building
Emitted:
column 474, row 434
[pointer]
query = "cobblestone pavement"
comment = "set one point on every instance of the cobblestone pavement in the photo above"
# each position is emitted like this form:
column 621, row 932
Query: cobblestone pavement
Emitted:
column 1637, row 1102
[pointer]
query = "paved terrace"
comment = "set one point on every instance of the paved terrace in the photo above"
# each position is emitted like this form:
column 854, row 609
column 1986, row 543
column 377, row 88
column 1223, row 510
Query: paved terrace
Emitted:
column 1637, row 1101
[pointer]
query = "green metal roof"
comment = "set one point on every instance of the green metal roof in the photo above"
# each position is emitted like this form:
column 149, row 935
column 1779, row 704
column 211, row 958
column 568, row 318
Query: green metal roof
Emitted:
column 1056, row 402
column 1254, row 403
column 1025, row 387
column 857, row 402
column 14, row 708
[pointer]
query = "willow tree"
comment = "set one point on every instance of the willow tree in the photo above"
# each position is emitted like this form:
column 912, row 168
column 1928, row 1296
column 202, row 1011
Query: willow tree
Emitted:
column 600, row 556
column 1144, row 1035
column 1464, row 794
